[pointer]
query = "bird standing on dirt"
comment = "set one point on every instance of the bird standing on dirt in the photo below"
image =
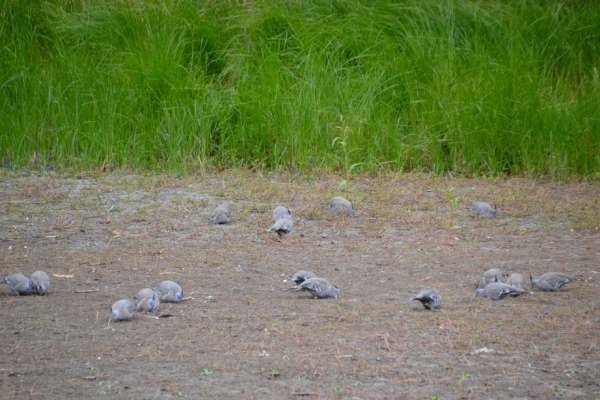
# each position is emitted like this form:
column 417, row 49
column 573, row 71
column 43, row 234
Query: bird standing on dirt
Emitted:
column 318, row 287
column 148, row 300
column 282, row 226
column 496, row 291
column 516, row 280
column 515, row 291
column 40, row 282
column 300, row 277
column 551, row 281
column 429, row 297
column 221, row 215
column 342, row 206
column 170, row 291
column 280, row 213
column 18, row 283
column 483, row 209
column 493, row 275
column 122, row 310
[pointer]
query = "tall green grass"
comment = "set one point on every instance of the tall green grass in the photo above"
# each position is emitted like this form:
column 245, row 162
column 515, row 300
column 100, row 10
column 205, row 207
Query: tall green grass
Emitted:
column 469, row 87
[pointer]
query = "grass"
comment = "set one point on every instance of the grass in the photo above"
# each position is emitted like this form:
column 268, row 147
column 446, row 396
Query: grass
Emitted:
column 467, row 87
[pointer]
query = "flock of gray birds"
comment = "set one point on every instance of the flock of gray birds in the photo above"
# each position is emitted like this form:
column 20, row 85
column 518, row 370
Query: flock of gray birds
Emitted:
column 147, row 300
column 38, row 282
column 496, row 284
column 494, row 288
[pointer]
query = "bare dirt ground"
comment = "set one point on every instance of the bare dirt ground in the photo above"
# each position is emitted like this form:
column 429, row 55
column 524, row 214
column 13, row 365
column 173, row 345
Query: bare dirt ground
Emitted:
column 239, row 335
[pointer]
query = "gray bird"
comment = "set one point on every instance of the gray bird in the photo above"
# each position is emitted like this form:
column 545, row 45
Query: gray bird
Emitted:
column 318, row 287
column 221, row 215
column 122, row 310
column 40, row 282
column 170, row 291
column 148, row 300
column 515, row 291
column 551, row 281
column 342, row 206
column 483, row 209
column 493, row 275
column 300, row 277
column 18, row 283
column 516, row 280
column 496, row 291
column 280, row 213
column 429, row 297
column 282, row 226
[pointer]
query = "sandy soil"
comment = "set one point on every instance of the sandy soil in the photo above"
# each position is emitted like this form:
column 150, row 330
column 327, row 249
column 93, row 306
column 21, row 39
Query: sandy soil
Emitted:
column 239, row 335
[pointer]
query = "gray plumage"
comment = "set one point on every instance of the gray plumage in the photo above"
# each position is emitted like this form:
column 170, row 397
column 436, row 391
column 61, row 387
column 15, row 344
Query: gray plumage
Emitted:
column 170, row 291
column 342, row 206
column 221, row 215
column 516, row 280
column 280, row 213
column 497, row 291
column 300, row 277
column 122, row 310
column 318, row 287
column 18, row 283
column 40, row 282
column 148, row 300
column 493, row 275
column 282, row 226
column 551, row 281
column 514, row 291
column 429, row 297
column 483, row 209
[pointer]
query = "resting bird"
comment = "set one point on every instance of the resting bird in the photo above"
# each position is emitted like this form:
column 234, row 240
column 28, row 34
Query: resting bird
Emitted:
column 122, row 310
column 300, row 277
column 516, row 280
column 170, row 291
column 342, row 206
column 483, row 209
column 280, row 213
column 18, row 283
column 40, row 282
column 147, row 300
column 283, row 226
column 318, row 287
column 429, row 297
column 221, row 215
column 493, row 275
column 496, row 291
column 551, row 281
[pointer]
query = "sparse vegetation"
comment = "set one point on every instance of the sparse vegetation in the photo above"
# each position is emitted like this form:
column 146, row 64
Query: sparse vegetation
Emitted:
column 239, row 335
